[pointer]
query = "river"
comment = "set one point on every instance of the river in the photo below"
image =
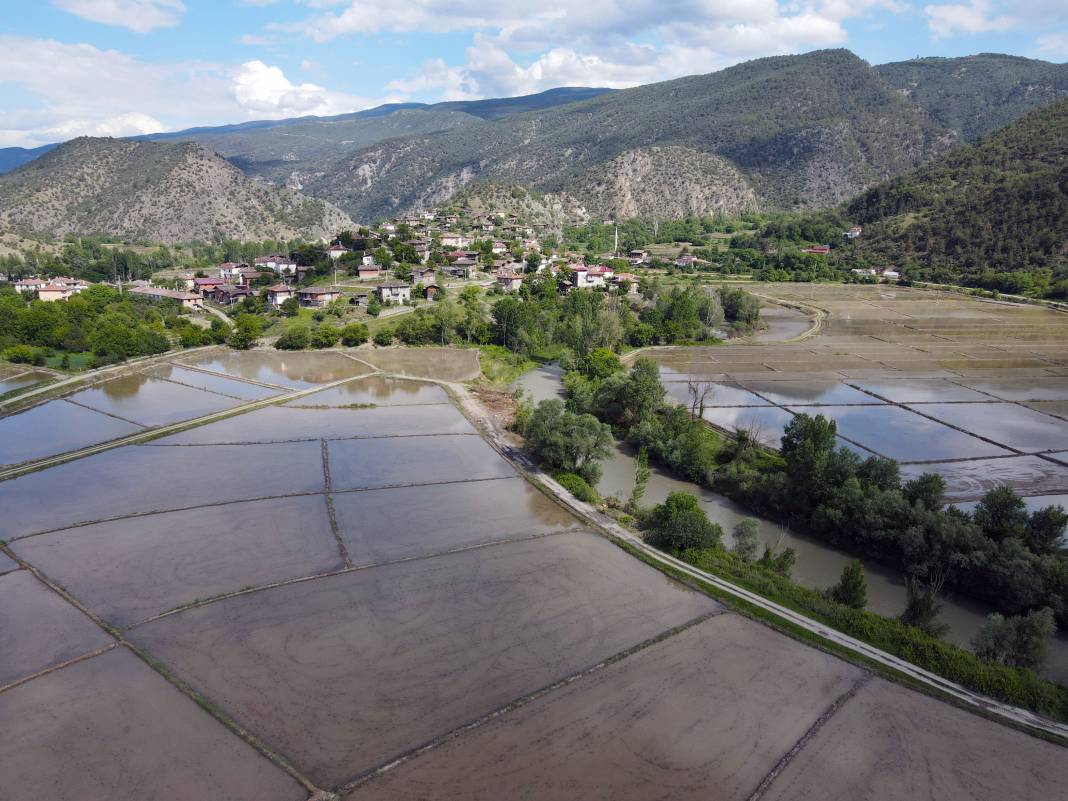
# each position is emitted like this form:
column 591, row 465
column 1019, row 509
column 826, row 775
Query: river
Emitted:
column 818, row 563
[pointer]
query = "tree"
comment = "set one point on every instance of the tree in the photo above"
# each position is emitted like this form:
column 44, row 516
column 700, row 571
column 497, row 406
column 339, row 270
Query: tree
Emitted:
column 852, row 589
column 572, row 443
column 246, row 331
column 641, row 480
column 384, row 337
column 290, row 307
column 354, row 334
column 1020, row 641
column 296, row 338
column 1045, row 528
column 746, row 532
column 928, row 490
column 1001, row 514
column 680, row 523
column 923, row 606
column 374, row 306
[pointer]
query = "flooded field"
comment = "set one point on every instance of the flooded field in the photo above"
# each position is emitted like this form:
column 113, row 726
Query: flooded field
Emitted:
column 278, row 369
column 150, row 402
column 353, row 584
column 10, row 381
column 887, row 367
column 56, row 427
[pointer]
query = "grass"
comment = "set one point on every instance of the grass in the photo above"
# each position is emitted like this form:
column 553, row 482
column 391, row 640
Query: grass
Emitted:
column 76, row 361
column 502, row 367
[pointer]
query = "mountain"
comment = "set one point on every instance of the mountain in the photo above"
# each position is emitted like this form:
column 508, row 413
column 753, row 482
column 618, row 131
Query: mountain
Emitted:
column 12, row 157
column 276, row 149
column 976, row 94
column 789, row 132
column 998, row 205
column 158, row 191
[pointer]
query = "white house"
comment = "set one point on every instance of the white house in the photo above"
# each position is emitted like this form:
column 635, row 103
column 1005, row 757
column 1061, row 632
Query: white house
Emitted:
column 509, row 281
column 336, row 251
column 394, row 291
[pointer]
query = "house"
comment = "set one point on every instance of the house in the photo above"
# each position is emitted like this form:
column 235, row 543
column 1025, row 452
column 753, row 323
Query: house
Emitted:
column 854, row 232
column 509, row 281
column 360, row 299
column 188, row 300
column 187, row 281
column 205, row 286
column 421, row 248
column 282, row 265
column 638, row 256
column 228, row 271
column 594, row 276
column 394, row 291
column 499, row 247
column 30, row 285
column 432, row 291
column 819, row 250
column 366, row 271
column 229, row 294
column 52, row 292
column 423, row 275
column 864, row 272
column 336, row 251
column 461, row 268
column 453, row 241
column 247, row 275
column 278, row 294
column 318, row 296
column 891, row 275
column 626, row 278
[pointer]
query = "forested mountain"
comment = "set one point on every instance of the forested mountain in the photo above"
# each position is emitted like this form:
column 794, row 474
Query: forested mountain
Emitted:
column 12, row 157
column 157, row 191
column 976, row 94
column 1000, row 205
column 793, row 131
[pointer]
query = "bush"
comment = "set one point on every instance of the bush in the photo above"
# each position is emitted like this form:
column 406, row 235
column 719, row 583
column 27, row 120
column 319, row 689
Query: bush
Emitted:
column 296, row 338
column 384, row 337
column 24, row 354
column 577, row 486
column 679, row 523
column 325, row 336
column 354, row 334
column 570, row 443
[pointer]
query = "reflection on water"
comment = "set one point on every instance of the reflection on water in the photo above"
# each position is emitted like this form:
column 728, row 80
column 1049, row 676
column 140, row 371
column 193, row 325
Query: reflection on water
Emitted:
column 818, row 564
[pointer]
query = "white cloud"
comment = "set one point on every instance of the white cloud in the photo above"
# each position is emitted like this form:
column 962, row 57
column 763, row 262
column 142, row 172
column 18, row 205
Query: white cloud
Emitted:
column 265, row 90
column 78, row 89
column 137, row 15
column 522, row 46
column 1055, row 44
column 254, row 39
column 978, row 16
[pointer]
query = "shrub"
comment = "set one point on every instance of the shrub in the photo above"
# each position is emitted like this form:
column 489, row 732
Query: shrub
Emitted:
column 384, row 337
column 296, row 338
column 24, row 354
column 354, row 334
column 577, row 486
column 325, row 336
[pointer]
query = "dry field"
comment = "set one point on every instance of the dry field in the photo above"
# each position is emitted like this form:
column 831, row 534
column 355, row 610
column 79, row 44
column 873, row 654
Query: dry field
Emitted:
column 975, row 390
column 325, row 596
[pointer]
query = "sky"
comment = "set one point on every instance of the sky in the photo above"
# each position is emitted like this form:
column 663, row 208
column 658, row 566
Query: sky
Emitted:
column 123, row 67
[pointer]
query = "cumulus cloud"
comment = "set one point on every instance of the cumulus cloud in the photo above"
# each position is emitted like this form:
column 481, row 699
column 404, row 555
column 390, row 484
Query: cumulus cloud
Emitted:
column 521, row 46
column 78, row 89
column 265, row 90
column 977, row 16
column 137, row 15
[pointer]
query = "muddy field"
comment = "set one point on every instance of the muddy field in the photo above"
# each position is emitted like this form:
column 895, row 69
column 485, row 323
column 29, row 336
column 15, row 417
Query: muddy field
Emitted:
column 364, row 582
column 957, row 385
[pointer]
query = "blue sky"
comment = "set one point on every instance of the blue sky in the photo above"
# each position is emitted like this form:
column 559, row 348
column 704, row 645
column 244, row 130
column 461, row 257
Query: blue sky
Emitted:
column 121, row 67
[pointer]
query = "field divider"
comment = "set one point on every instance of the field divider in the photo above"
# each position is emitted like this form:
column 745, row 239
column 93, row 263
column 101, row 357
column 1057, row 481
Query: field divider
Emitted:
column 522, row 701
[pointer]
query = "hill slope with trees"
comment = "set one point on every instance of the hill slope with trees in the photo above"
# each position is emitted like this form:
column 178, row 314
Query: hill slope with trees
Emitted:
column 806, row 131
column 156, row 191
column 977, row 94
column 998, row 207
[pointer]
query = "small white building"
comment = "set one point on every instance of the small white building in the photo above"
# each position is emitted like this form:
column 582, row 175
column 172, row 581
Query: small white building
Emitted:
column 394, row 291
column 30, row 285
column 509, row 281
column 337, row 251
column 318, row 296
